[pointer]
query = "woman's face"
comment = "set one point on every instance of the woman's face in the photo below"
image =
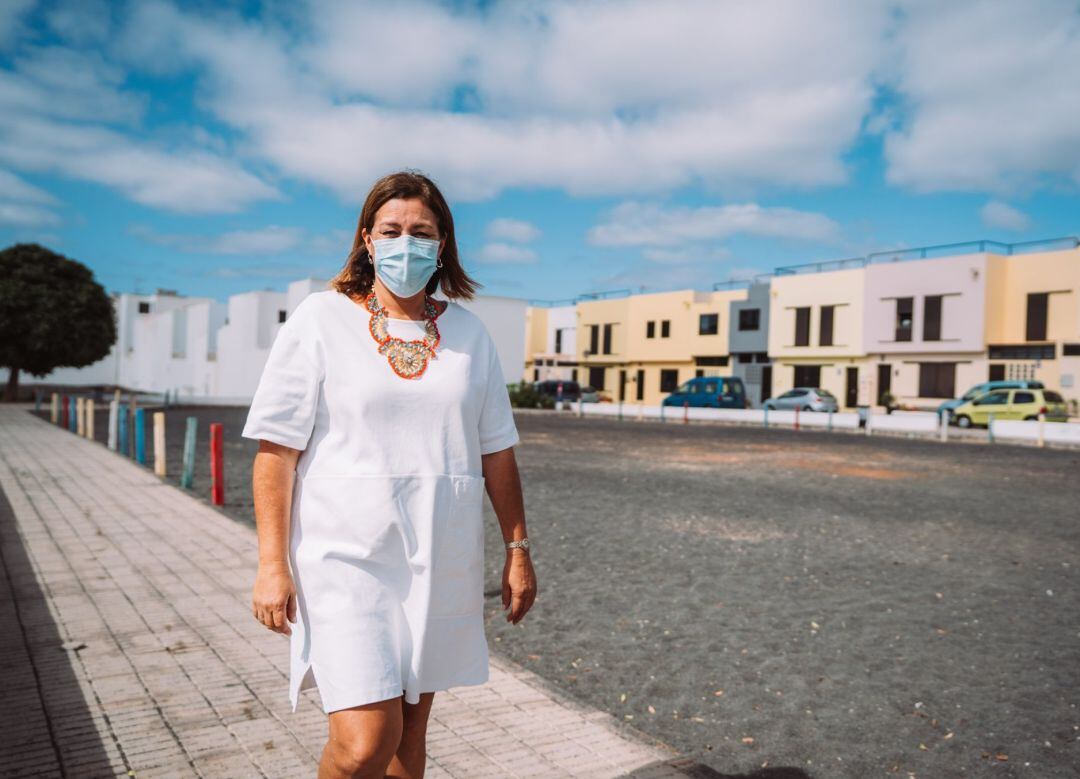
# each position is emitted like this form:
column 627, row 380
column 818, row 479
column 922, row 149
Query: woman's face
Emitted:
column 403, row 217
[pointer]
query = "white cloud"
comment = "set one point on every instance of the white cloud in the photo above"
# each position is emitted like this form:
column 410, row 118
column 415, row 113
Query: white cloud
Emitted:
column 644, row 224
column 515, row 230
column 684, row 254
column 11, row 20
column 727, row 96
column 23, row 205
column 506, row 253
column 273, row 239
column 992, row 90
column 1002, row 215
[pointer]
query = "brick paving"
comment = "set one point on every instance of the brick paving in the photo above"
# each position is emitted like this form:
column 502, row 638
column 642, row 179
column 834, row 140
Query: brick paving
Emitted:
column 129, row 648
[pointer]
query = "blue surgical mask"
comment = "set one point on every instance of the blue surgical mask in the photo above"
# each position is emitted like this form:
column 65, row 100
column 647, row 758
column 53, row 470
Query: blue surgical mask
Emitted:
column 405, row 264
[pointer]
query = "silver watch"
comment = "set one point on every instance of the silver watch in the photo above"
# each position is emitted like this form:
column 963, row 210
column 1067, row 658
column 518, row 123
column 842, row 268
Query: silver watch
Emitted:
column 522, row 544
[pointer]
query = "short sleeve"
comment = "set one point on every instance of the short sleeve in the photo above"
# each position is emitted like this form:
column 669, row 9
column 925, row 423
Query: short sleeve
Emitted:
column 284, row 405
column 497, row 428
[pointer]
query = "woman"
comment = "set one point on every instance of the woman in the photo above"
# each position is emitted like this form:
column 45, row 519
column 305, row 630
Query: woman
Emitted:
column 391, row 408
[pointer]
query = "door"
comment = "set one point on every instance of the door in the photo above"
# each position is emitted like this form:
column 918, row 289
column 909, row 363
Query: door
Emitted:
column 766, row 382
column 710, row 395
column 996, row 403
column 884, row 381
column 997, row 371
column 851, row 390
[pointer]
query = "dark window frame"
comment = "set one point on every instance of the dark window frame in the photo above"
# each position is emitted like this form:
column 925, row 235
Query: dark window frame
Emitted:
column 749, row 319
column 933, row 305
column 650, row 329
column 665, row 328
column 826, row 325
column 607, row 338
column 802, row 326
column 905, row 319
column 1037, row 316
column 711, row 329
column 669, row 379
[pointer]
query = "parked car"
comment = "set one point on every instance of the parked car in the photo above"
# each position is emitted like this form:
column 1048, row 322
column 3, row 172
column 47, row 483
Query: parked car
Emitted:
column 589, row 394
column 804, row 399
column 550, row 388
column 709, row 392
column 1012, row 404
column 949, row 406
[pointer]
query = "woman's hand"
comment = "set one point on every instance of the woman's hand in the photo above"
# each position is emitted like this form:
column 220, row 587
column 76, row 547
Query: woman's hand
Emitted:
column 518, row 584
column 274, row 596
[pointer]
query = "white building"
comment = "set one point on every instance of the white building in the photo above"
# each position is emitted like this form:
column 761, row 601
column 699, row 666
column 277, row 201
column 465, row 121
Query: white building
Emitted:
column 206, row 351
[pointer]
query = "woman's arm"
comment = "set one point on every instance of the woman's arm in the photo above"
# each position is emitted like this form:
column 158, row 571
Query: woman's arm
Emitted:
column 503, row 483
column 274, row 595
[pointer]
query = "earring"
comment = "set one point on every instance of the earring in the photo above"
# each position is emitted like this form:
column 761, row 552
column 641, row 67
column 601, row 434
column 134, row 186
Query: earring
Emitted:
column 439, row 263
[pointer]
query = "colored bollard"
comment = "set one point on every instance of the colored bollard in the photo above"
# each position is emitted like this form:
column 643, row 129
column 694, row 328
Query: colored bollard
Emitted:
column 765, row 417
column 796, row 417
column 90, row 418
column 80, row 416
column 685, row 411
column 73, row 414
column 54, row 412
column 114, row 418
column 140, row 436
column 217, row 465
column 159, row 443
column 990, row 428
column 122, row 435
column 187, row 477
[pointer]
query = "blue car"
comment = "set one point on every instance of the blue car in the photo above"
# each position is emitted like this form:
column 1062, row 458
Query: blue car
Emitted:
column 951, row 405
column 709, row 392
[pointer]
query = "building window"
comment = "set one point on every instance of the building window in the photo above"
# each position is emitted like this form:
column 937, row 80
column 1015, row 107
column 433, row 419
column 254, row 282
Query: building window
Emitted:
column 708, row 324
column 997, row 371
column 650, row 329
column 937, row 379
column 665, row 328
column 669, row 379
column 802, row 326
column 594, row 339
column 558, row 342
column 825, row 327
column 719, row 359
column 640, row 390
column 1037, row 305
column 1070, row 350
column 607, row 338
column 750, row 319
column 904, row 315
column 536, row 374
column 884, row 381
column 807, row 376
column 144, row 307
column 931, row 321
column 596, row 378
column 281, row 315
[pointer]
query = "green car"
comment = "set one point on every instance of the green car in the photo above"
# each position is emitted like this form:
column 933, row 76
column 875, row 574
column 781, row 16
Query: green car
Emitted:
column 1012, row 404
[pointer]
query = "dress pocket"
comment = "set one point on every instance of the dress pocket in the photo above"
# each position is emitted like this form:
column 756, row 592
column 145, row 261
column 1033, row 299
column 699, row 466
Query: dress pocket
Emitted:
column 458, row 568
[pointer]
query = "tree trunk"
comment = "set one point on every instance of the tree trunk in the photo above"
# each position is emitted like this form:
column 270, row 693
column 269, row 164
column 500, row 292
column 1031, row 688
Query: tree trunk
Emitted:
column 12, row 390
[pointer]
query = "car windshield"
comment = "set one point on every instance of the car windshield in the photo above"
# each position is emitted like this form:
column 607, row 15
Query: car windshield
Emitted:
column 825, row 393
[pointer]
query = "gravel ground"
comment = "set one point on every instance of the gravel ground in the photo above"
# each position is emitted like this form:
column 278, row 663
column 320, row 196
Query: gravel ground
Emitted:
column 837, row 605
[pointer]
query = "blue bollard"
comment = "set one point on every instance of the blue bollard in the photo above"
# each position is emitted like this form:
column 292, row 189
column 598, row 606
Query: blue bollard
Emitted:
column 122, row 429
column 766, row 410
column 73, row 415
column 140, row 436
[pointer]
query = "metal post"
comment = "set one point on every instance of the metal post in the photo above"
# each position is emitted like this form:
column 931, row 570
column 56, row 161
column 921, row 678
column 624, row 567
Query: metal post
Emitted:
column 990, row 427
column 1042, row 429
column 685, row 411
column 80, row 416
column 73, row 414
column 89, row 426
column 830, row 420
column 54, row 412
column 943, row 421
column 188, row 476
column 796, row 417
column 766, row 410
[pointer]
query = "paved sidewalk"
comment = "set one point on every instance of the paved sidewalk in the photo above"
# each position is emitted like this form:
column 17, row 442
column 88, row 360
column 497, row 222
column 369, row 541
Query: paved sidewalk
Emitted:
column 129, row 648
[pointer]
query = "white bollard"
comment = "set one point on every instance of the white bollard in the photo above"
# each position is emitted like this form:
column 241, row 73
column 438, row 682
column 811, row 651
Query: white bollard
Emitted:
column 580, row 412
column 159, row 443
column 944, row 427
column 80, row 416
column 114, row 420
column 55, row 410
column 90, row 418
column 1042, row 429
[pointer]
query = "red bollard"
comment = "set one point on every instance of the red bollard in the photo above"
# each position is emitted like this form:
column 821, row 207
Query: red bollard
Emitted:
column 64, row 421
column 685, row 411
column 217, row 465
column 796, row 417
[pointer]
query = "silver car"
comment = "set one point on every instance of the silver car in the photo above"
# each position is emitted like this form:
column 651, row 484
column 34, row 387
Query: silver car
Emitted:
column 804, row 399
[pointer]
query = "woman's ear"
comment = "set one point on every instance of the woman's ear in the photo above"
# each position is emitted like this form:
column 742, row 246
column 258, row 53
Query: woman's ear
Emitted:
column 366, row 236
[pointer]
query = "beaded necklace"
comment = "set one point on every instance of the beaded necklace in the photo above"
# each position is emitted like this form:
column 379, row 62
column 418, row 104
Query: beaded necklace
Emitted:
column 408, row 358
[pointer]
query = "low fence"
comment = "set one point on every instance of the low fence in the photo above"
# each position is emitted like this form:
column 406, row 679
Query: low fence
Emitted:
column 923, row 424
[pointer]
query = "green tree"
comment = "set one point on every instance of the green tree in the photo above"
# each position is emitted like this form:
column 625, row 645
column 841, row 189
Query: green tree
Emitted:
column 52, row 314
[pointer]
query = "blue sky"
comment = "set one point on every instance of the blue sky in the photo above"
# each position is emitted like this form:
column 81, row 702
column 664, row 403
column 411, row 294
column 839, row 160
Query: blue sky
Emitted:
column 214, row 148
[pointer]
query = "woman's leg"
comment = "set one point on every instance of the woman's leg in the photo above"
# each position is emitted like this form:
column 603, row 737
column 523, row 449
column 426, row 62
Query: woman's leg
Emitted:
column 363, row 740
column 411, row 756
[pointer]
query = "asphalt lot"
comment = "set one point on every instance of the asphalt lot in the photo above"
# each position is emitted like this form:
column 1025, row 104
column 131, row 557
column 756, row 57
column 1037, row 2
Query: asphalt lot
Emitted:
column 842, row 605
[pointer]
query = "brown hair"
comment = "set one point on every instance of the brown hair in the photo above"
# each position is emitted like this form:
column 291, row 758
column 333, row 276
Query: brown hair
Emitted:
column 358, row 275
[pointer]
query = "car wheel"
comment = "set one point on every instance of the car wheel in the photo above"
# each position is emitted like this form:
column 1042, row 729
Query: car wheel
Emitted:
column 963, row 421
column 1031, row 419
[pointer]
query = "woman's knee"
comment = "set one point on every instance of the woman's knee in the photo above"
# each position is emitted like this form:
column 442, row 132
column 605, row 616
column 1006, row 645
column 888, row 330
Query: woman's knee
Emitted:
column 364, row 745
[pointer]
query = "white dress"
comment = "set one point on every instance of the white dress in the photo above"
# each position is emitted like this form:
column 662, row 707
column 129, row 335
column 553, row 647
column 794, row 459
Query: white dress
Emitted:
column 386, row 532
